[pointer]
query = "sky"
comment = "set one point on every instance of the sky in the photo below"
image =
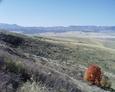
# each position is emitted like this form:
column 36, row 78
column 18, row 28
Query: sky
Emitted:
column 58, row 12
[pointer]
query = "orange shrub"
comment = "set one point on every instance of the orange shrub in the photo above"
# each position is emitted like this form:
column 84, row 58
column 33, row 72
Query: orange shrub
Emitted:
column 93, row 74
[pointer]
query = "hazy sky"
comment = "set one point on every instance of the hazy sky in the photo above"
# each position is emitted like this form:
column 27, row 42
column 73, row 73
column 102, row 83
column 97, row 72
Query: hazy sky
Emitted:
column 58, row 12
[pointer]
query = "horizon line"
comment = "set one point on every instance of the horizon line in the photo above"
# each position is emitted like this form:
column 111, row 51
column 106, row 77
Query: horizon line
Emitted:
column 74, row 25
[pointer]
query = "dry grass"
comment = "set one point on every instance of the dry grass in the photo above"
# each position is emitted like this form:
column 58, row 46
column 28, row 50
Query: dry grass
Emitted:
column 32, row 87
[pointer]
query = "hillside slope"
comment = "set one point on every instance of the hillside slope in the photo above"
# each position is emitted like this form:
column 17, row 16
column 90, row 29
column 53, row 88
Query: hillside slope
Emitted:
column 57, row 65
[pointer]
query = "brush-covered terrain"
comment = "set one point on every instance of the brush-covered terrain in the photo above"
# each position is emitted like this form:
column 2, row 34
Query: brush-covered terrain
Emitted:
column 52, row 64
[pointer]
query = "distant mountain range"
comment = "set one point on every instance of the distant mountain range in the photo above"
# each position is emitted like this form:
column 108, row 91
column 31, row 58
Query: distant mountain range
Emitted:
column 57, row 29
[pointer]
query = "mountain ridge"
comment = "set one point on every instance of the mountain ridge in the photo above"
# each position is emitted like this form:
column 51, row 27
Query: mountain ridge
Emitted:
column 55, row 29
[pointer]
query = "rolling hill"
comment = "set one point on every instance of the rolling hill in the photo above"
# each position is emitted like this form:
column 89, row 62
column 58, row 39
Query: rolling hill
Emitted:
column 55, row 64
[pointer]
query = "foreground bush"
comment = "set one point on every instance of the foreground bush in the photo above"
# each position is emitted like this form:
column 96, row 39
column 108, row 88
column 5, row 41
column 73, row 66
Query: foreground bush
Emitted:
column 32, row 87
